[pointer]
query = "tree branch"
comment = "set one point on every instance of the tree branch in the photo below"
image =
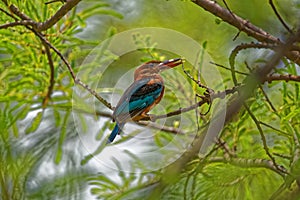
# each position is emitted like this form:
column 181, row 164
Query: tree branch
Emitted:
column 244, row 26
column 236, row 21
column 58, row 15
column 42, row 26
column 17, row 12
column 76, row 80
column 170, row 175
column 281, row 77
column 166, row 129
column 17, row 23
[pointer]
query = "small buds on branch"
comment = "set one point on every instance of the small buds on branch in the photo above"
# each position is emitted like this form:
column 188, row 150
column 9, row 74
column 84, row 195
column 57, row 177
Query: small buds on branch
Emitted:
column 281, row 77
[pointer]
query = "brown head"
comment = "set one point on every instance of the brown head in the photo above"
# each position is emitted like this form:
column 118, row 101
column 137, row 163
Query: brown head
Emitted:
column 152, row 68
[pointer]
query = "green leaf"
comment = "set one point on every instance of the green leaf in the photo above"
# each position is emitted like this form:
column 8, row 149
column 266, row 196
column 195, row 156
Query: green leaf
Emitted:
column 62, row 137
column 35, row 123
column 81, row 21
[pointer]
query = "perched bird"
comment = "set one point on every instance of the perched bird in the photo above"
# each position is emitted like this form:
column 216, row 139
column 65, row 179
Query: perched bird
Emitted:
column 142, row 95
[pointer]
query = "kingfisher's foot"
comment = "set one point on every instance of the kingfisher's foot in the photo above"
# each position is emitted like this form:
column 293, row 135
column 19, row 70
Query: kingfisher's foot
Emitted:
column 152, row 117
column 147, row 117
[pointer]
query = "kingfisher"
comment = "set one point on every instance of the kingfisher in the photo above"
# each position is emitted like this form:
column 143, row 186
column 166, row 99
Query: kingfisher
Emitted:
column 142, row 95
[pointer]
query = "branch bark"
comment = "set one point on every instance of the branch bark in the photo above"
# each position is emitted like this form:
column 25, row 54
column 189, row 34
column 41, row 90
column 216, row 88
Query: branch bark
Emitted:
column 244, row 26
column 42, row 26
column 58, row 15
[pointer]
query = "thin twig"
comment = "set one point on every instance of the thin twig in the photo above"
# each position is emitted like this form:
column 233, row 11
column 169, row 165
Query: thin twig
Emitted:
column 227, row 151
column 267, row 99
column 263, row 91
column 8, row 14
column 54, row 1
column 51, row 80
column 226, row 5
column 198, row 82
column 17, row 23
column 181, row 110
column 282, row 156
column 275, row 129
column 227, row 68
column 164, row 128
column 197, row 116
column 279, row 17
column 263, row 138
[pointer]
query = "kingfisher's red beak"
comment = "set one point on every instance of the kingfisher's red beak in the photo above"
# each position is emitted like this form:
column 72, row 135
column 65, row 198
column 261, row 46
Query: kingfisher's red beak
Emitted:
column 167, row 64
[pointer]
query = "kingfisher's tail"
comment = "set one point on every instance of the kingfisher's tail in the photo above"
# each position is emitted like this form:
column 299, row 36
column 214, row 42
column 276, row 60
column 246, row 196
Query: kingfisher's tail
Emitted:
column 117, row 130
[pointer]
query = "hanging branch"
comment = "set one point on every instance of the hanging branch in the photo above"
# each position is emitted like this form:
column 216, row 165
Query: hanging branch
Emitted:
column 76, row 80
column 29, row 22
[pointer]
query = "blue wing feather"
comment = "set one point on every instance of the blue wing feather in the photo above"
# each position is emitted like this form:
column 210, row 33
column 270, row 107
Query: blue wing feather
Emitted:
column 136, row 99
